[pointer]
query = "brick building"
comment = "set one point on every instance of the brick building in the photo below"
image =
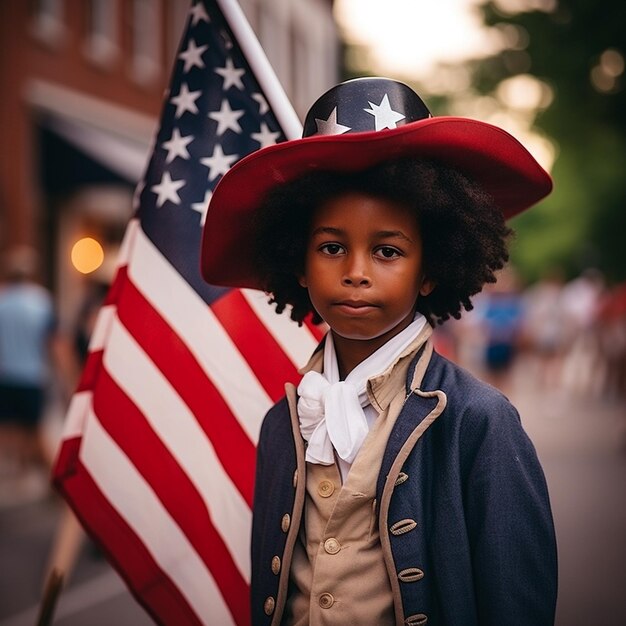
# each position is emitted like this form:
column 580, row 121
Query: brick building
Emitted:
column 82, row 84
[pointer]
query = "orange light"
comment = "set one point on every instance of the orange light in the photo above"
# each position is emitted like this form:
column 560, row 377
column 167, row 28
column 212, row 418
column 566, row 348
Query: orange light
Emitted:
column 87, row 255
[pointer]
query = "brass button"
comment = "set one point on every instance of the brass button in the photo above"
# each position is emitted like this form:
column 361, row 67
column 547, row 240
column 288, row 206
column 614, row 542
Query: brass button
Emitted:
column 326, row 489
column 332, row 546
column 269, row 605
column 276, row 564
column 326, row 600
column 295, row 479
column 285, row 522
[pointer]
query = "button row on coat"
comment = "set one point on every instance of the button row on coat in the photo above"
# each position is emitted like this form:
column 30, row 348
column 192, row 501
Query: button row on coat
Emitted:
column 410, row 574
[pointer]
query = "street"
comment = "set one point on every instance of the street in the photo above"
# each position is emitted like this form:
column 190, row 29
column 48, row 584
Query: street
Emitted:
column 581, row 442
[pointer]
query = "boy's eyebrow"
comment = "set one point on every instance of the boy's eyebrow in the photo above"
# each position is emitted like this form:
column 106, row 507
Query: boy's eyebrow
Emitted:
column 381, row 234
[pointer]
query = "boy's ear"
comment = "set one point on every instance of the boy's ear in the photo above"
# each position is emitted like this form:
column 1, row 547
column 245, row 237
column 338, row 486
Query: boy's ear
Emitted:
column 427, row 287
column 302, row 281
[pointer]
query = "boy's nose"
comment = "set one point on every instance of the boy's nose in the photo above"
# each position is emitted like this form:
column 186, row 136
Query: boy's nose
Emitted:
column 356, row 275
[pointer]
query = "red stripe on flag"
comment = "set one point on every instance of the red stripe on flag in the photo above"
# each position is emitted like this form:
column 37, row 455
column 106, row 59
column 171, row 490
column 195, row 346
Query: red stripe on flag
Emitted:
column 317, row 330
column 173, row 487
column 90, row 372
column 270, row 364
column 153, row 589
column 176, row 362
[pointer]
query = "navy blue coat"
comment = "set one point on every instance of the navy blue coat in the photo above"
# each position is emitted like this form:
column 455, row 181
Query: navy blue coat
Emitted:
column 461, row 474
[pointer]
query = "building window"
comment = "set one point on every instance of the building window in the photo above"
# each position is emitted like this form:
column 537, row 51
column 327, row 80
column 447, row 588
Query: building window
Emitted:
column 146, row 37
column 47, row 21
column 101, row 46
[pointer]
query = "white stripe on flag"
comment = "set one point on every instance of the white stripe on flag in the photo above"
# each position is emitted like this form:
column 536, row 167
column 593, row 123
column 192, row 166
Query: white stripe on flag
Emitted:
column 178, row 429
column 297, row 343
column 138, row 505
column 77, row 411
column 194, row 322
column 101, row 328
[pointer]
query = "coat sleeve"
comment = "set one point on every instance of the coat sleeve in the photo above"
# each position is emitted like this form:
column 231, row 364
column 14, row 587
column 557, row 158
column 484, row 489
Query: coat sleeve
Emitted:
column 508, row 517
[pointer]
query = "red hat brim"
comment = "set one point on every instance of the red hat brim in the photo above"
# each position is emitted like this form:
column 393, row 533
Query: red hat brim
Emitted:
column 484, row 153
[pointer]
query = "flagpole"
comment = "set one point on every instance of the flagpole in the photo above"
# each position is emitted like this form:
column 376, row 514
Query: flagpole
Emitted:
column 255, row 55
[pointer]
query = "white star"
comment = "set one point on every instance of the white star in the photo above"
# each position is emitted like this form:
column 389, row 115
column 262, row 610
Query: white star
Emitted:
column 385, row 116
column 177, row 146
column 231, row 74
column 167, row 189
column 330, row 125
column 265, row 137
column 185, row 100
column 198, row 13
column 219, row 163
column 226, row 118
column 202, row 207
column 263, row 108
column 193, row 56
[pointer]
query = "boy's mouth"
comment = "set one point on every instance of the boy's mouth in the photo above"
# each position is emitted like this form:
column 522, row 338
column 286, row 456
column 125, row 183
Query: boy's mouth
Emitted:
column 355, row 306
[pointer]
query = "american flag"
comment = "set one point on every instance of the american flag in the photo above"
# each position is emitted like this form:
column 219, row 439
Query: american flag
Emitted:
column 158, row 453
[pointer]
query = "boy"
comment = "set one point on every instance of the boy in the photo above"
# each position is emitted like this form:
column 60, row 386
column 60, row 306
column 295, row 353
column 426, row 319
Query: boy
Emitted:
column 393, row 487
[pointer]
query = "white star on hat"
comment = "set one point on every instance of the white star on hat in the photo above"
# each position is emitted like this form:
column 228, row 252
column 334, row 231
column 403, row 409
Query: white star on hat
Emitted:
column 330, row 125
column 385, row 116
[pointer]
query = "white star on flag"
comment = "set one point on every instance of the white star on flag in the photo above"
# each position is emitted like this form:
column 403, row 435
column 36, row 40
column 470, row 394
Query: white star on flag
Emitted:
column 330, row 125
column 384, row 115
column 226, row 118
column 167, row 189
column 201, row 207
column 198, row 12
column 231, row 75
column 265, row 136
column 176, row 146
column 219, row 163
column 193, row 56
column 263, row 107
column 185, row 100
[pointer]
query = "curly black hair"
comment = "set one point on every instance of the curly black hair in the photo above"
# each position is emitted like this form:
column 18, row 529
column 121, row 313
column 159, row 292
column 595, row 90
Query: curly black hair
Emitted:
column 464, row 236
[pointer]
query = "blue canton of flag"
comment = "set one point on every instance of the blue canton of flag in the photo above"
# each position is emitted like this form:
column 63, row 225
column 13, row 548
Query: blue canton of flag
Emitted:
column 215, row 114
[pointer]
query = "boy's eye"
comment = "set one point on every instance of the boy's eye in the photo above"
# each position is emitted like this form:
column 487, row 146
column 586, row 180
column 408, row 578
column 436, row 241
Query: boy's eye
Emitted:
column 387, row 252
column 331, row 248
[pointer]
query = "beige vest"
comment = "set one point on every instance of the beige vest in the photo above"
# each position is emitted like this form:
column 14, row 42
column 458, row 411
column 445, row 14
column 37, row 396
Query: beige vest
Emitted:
column 338, row 570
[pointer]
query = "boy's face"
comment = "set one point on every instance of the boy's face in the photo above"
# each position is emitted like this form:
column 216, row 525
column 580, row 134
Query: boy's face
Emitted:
column 363, row 267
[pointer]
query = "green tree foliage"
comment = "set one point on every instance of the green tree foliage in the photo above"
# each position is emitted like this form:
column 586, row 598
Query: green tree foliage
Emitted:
column 578, row 48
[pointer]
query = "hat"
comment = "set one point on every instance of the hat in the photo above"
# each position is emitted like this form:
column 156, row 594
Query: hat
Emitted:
column 354, row 126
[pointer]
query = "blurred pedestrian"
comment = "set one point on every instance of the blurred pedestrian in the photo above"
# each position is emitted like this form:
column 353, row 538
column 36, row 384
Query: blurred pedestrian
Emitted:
column 27, row 330
column 499, row 315
column 544, row 328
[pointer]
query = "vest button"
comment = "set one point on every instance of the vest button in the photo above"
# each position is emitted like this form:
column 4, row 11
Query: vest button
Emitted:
column 326, row 600
column 326, row 489
column 276, row 565
column 332, row 546
column 269, row 605
column 285, row 522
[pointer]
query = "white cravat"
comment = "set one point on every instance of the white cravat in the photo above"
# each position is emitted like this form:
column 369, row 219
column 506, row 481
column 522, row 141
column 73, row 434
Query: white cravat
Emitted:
column 331, row 411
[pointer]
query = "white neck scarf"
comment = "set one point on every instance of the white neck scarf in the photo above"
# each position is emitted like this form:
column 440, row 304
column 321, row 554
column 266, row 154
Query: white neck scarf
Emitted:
column 331, row 411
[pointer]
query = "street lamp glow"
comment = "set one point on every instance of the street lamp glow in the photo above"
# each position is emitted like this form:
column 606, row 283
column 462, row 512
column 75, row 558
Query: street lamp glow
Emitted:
column 87, row 255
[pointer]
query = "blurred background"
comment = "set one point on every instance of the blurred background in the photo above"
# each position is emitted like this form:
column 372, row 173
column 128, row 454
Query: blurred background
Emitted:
column 82, row 84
